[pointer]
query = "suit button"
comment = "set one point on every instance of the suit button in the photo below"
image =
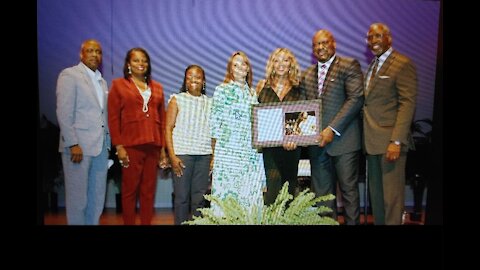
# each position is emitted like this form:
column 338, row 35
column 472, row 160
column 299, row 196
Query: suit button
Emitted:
column 103, row 126
column 148, row 115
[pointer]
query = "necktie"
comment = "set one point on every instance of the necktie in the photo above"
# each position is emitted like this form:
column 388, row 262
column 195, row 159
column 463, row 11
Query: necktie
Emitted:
column 373, row 73
column 321, row 78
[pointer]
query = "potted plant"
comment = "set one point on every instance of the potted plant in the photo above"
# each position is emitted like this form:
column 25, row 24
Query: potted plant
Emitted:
column 284, row 211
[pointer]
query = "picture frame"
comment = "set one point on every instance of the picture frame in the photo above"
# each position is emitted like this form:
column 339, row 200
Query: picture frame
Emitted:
column 276, row 123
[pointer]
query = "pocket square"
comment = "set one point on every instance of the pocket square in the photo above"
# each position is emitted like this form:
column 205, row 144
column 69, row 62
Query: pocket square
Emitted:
column 384, row 77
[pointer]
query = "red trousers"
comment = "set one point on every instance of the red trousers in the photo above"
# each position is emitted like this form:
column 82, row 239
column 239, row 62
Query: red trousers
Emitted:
column 139, row 178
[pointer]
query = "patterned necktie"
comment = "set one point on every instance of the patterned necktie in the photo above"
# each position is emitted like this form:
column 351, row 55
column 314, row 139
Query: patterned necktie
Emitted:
column 321, row 78
column 373, row 73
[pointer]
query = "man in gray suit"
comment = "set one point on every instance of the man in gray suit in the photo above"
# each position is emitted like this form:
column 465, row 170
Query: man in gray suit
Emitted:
column 84, row 136
column 390, row 97
column 338, row 83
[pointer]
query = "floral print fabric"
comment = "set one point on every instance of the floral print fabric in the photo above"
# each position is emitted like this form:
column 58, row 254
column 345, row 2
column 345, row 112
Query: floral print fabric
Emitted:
column 238, row 167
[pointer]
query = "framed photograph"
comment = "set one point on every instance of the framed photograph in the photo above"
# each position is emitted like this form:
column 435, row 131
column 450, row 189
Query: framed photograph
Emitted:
column 292, row 121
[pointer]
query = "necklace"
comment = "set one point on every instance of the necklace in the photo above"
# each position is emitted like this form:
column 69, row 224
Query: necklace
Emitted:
column 280, row 88
column 139, row 89
column 145, row 95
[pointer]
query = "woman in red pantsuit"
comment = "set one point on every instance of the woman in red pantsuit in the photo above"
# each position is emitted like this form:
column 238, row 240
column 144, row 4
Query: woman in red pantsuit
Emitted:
column 136, row 118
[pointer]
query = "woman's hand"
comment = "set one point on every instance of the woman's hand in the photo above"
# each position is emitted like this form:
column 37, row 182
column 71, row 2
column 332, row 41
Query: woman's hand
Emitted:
column 122, row 156
column 164, row 163
column 177, row 166
column 289, row 146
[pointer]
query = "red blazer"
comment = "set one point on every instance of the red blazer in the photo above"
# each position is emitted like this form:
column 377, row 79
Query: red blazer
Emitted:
column 128, row 124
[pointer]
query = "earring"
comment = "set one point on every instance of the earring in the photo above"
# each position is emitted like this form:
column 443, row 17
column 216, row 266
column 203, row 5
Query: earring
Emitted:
column 273, row 72
column 129, row 70
column 203, row 87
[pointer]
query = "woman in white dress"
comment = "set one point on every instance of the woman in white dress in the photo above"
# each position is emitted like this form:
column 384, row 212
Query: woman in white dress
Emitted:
column 238, row 167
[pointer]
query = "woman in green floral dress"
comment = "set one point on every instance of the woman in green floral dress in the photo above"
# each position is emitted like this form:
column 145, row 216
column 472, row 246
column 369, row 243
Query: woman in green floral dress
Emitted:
column 238, row 167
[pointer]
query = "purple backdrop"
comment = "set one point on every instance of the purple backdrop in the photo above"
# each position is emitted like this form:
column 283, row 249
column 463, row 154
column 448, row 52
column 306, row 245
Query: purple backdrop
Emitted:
column 178, row 33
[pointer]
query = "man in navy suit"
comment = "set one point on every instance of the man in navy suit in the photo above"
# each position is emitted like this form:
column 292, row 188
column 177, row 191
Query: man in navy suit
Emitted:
column 338, row 83
column 84, row 136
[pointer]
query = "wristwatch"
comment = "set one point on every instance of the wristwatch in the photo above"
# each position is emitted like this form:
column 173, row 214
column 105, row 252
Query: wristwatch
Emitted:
column 396, row 142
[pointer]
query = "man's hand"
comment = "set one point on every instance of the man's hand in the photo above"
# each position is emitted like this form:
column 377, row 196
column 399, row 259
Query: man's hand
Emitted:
column 393, row 152
column 76, row 153
column 325, row 137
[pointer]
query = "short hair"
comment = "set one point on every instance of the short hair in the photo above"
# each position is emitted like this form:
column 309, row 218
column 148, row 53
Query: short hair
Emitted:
column 184, row 85
column 384, row 27
column 385, row 30
column 82, row 47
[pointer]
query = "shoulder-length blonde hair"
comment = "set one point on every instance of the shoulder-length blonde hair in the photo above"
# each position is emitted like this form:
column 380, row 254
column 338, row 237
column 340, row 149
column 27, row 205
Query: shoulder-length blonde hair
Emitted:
column 293, row 72
column 229, row 74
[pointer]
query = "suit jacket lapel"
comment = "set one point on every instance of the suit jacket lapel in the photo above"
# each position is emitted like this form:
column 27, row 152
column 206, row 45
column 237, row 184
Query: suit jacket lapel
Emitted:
column 312, row 83
column 104, row 87
column 386, row 65
column 370, row 84
column 91, row 87
column 331, row 74
column 131, row 85
column 383, row 70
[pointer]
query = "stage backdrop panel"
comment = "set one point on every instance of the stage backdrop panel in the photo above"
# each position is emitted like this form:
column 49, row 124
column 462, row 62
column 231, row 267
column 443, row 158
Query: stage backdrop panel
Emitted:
column 178, row 33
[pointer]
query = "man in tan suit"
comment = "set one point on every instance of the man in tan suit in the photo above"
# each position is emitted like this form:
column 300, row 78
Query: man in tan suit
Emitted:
column 390, row 94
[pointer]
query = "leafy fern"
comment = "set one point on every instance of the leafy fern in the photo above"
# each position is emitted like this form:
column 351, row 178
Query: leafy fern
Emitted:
column 284, row 211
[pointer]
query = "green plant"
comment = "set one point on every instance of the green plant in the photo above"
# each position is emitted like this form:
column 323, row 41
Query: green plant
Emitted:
column 300, row 211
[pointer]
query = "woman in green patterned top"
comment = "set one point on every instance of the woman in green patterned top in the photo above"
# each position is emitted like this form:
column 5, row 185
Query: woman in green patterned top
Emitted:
column 238, row 167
